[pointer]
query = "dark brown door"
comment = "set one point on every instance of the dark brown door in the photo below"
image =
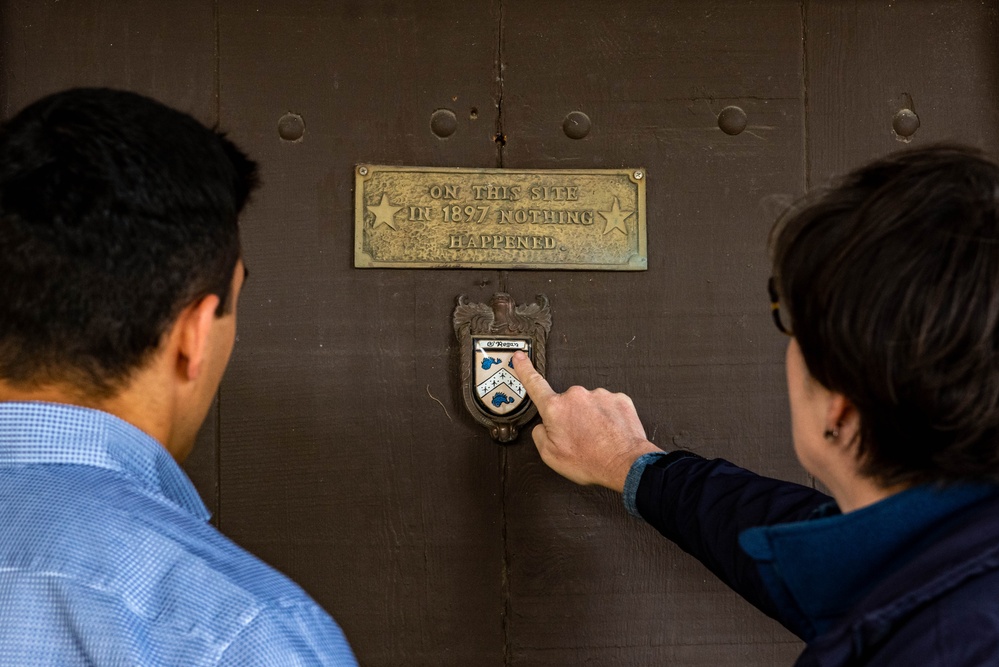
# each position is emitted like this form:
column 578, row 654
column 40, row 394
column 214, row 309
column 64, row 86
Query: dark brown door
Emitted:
column 339, row 450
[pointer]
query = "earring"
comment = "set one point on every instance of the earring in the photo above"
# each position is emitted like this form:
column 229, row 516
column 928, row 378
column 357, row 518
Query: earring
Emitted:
column 831, row 434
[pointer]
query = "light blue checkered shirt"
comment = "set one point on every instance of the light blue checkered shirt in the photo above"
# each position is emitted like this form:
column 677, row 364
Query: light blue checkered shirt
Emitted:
column 106, row 558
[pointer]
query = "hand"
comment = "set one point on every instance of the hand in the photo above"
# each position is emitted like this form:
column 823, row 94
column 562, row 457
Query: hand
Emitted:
column 589, row 437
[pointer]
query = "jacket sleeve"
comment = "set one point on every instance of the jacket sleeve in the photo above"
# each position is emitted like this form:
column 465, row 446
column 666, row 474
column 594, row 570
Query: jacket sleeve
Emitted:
column 703, row 505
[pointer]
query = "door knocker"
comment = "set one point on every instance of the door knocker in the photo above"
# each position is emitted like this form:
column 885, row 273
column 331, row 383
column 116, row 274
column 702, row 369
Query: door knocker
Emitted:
column 488, row 335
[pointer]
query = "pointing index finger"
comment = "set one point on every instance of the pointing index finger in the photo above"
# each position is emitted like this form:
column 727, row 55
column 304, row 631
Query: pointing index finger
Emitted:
column 537, row 387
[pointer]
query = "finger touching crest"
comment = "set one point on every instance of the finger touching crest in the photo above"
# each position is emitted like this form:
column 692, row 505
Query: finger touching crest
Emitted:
column 537, row 387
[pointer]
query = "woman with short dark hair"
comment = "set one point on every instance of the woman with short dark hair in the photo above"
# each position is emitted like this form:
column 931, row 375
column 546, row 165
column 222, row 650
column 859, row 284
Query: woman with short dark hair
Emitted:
column 891, row 284
column 888, row 285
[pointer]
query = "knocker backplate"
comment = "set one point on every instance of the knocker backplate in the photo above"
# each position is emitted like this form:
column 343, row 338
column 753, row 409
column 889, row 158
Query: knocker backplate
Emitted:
column 488, row 336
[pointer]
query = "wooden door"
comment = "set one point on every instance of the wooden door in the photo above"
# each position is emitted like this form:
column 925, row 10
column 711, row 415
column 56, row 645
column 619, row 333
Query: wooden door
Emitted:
column 339, row 449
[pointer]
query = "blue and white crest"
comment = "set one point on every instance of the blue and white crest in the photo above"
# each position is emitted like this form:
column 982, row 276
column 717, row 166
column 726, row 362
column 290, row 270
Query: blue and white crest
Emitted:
column 498, row 390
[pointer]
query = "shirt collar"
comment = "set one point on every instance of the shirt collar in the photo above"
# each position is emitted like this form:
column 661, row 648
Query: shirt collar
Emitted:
column 41, row 433
column 817, row 570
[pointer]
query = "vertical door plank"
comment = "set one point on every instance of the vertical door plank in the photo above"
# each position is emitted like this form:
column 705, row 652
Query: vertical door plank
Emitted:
column 164, row 50
column 690, row 339
column 869, row 60
column 347, row 460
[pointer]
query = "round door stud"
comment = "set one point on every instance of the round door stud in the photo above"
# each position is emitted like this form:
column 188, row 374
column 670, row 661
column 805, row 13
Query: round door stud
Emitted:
column 576, row 125
column 732, row 120
column 443, row 123
column 291, row 127
column 905, row 123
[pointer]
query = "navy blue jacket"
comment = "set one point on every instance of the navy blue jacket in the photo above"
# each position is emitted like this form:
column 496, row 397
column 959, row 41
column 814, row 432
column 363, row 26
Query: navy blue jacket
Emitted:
column 939, row 606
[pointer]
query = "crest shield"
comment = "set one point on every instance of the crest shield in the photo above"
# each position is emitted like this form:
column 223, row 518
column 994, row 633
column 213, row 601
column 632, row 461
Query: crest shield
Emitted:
column 488, row 336
column 498, row 390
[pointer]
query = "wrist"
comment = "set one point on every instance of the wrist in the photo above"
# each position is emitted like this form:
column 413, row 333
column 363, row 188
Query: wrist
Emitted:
column 634, row 479
column 626, row 461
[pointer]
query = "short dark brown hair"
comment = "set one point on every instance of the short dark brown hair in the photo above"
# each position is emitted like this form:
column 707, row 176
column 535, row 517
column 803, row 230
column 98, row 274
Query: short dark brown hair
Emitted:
column 891, row 281
column 115, row 213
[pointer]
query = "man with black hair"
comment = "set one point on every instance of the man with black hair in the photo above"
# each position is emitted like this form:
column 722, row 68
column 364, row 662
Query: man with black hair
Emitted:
column 120, row 271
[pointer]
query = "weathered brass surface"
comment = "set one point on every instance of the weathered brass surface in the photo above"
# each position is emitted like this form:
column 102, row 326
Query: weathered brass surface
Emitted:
column 435, row 217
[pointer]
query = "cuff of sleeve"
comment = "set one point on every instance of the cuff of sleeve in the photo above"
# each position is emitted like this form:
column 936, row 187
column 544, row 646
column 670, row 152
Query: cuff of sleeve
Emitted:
column 634, row 477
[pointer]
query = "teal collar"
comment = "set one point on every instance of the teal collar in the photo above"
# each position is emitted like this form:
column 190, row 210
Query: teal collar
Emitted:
column 817, row 570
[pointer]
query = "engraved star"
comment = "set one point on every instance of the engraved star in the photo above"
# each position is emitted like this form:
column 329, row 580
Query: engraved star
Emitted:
column 615, row 218
column 384, row 212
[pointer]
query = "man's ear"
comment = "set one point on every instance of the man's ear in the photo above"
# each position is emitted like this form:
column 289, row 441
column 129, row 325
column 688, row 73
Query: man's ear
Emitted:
column 193, row 331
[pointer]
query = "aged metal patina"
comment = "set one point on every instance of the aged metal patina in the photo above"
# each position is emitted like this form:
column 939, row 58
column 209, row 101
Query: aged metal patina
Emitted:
column 488, row 335
column 428, row 217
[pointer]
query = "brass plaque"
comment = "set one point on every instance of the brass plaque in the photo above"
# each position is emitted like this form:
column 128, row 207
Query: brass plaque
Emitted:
column 438, row 217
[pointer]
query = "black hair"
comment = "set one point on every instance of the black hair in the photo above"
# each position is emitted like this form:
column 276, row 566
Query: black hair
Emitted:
column 891, row 280
column 116, row 212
